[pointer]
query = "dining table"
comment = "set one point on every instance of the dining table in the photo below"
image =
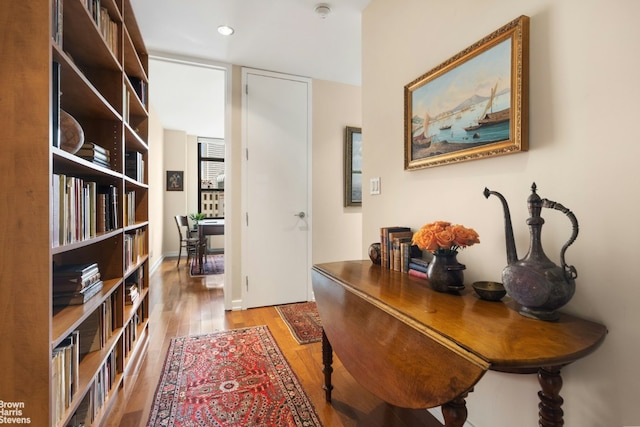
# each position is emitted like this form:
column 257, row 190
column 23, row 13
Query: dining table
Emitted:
column 207, row 227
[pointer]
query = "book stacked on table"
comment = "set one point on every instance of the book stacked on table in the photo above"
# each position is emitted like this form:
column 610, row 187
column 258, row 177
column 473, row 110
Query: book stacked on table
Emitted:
column 418, row 267
column 75, row 284
column 95, row 154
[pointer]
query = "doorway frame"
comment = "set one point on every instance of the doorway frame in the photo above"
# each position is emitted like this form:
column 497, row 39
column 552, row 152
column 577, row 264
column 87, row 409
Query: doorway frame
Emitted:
column 229, row 159
column 244, row 172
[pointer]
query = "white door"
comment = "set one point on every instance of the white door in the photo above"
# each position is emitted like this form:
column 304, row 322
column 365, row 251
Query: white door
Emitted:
column 276, row 243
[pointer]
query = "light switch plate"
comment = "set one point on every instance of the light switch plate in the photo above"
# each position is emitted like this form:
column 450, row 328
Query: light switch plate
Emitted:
column 374, row 186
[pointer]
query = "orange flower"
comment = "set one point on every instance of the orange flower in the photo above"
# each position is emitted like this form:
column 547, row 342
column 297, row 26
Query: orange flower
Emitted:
column 464, row 236
column 441, row 236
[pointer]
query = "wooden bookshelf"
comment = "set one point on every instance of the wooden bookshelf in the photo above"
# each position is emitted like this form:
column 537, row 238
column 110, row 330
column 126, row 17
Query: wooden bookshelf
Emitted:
column 104, row 86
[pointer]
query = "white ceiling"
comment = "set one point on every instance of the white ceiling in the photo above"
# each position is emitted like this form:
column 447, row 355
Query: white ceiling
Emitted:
column 277, row 35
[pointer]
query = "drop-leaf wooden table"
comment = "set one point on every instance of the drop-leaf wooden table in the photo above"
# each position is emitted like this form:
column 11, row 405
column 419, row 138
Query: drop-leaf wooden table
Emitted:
column 417, row 348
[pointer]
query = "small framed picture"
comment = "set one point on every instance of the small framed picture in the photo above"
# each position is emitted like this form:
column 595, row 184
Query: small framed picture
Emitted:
column 175, row 181
column 352, row 166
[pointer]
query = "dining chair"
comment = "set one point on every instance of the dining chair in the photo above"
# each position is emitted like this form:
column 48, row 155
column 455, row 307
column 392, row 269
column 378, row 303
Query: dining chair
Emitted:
column 187, row 240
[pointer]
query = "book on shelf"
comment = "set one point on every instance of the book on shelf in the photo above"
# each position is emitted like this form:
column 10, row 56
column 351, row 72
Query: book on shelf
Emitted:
column 55, row 103
column 95, row 154
column 125, row 105
column 74, row 284
column 90, row 331
column 108, row 29
column 134, row 247
column 140, row 88
column 97, row 394
column 65, row 360
column 62, row 298
column 134, row 165
column 56, row 22
column 93, row 148
column 73, row 207
column 131, row 293
column 89, row 153
column 83, row 270
column 110, row 193
column 55, row 211
column 130, row 207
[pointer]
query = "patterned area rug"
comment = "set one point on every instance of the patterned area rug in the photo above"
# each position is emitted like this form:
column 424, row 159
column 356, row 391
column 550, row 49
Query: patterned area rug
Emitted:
column 235, row 378
column 303, row 321
column 213, row 264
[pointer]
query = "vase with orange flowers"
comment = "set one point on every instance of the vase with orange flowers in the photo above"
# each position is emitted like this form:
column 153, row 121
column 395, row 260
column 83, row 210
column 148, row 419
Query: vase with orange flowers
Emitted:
column 443, row 240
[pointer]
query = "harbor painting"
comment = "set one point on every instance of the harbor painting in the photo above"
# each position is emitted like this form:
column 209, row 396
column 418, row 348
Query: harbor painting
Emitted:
column 472, row 106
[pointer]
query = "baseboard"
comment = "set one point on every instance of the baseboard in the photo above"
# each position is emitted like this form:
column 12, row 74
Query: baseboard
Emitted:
column 155, row 266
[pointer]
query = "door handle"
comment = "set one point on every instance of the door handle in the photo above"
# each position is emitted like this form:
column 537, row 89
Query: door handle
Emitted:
column 300, row 215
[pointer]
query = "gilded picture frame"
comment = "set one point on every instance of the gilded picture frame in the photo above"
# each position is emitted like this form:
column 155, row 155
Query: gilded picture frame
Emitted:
column 352, row 166
column 474, row 105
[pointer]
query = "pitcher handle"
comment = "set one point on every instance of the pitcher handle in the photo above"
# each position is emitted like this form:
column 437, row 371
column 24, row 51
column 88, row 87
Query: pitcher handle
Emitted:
column 456, row 267
column 570, row 271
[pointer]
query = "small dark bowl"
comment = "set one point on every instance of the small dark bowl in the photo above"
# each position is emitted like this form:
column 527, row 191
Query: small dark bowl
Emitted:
column 490, row 291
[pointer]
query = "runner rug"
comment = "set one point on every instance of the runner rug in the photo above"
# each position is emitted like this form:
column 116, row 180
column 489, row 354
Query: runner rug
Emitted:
column 303, row 321
column 213, row 264
column 235, row 378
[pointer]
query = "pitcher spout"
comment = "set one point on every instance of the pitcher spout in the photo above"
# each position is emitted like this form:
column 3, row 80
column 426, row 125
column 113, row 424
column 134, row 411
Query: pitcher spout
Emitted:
column 512, row 255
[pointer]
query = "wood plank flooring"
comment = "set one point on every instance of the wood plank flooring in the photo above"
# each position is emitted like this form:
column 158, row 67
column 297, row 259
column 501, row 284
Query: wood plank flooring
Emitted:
column 181, row 305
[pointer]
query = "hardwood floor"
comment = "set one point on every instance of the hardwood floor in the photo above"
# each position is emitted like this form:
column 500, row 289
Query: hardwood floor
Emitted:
column 181, row 305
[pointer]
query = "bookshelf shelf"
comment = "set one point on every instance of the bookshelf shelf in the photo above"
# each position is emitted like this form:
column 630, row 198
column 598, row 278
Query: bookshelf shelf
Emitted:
column 134, row 140
column 70, row 163
column 70, row 317
column 66, row 365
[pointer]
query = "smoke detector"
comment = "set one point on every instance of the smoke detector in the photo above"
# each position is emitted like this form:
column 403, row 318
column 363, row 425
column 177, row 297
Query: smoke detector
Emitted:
column 323, row 10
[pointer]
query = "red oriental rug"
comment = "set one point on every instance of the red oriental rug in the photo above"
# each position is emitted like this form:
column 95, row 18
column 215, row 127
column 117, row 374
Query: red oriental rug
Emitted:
column 235, row 378
column 212, row 264
column 303, row 321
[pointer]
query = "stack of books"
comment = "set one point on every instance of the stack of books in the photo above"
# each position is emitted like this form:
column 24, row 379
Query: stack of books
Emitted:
column 418, row 267
column 396, row 249
column 133, row 286
column 75, row 284
column 95, row 154
column 131, row 293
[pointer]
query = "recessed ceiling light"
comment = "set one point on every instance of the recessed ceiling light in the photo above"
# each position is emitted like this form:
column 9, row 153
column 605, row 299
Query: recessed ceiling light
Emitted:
column 225, row 30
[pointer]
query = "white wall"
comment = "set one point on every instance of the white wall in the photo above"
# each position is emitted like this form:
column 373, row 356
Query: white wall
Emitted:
column 155, row 176
column 583, row 153
column 337, row 230
column 175, row 202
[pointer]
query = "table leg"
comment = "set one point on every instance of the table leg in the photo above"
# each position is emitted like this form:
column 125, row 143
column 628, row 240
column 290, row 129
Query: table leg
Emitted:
column 201, row 251
column 550, row 406
column 455, row 411
column 327, row 361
